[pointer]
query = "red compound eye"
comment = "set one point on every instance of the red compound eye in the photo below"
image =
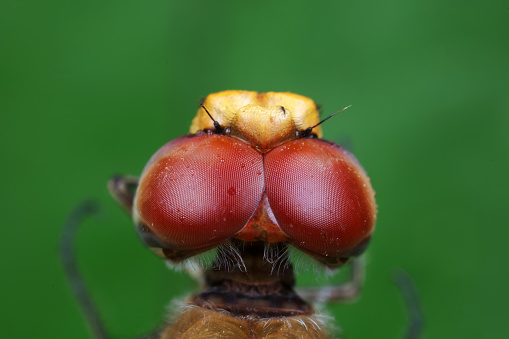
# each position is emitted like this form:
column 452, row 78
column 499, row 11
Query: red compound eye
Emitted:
column 198, row 191
column 321, row 198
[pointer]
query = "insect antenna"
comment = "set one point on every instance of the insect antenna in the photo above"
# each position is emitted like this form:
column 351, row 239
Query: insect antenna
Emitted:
column 217, row 126
column 308, row 130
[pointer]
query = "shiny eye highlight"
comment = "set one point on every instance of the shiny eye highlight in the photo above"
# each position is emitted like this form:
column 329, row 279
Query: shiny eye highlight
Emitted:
column 197, row 192
column 321, row 198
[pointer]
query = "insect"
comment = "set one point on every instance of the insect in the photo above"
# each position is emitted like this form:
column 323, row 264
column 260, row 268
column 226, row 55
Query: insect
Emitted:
column 251, row 186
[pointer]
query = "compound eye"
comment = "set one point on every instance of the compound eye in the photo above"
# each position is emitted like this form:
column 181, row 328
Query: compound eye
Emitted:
column 321, row 198
column 196, row 192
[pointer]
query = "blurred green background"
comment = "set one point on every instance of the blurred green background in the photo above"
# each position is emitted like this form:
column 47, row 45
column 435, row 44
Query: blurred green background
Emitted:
column 92, row 88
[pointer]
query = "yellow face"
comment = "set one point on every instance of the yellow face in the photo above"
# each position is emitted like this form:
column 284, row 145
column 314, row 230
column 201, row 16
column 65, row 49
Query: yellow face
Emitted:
column 263, row 120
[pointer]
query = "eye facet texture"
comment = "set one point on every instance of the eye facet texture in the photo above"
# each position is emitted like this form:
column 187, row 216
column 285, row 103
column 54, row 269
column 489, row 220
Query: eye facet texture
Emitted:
column 198, row 191
column 320, row 196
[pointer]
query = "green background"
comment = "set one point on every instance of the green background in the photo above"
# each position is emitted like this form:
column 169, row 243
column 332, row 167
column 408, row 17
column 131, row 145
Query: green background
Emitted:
column 92, row 88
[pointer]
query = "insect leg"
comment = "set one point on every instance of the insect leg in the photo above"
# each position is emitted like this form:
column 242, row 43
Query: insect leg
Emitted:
column 347, row 291
column 122, row 188
column 68, row 257
column 411, row 297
